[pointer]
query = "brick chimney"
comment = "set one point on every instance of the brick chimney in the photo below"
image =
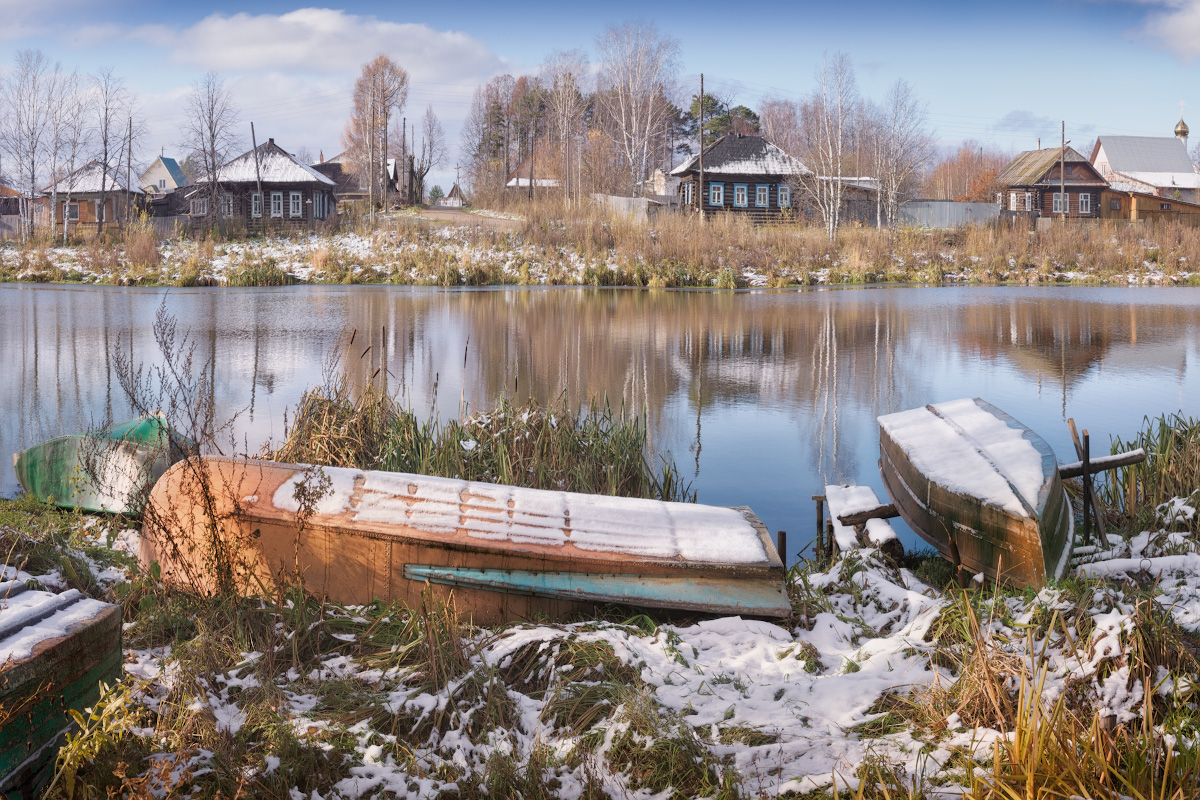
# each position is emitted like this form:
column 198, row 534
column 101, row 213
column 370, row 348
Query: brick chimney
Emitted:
column 322, row 156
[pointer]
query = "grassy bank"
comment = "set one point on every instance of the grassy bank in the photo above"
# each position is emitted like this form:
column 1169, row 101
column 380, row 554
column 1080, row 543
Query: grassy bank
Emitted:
column 590, row 248
column 878, row 685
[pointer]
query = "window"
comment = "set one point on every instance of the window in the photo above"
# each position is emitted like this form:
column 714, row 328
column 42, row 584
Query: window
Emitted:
column 71, row 212
column 226, row 206
column 199, row 206
column 1058, row 203
column 256, row 205
column 320, row 205
column 295, row 205
column 687, row 194
column 162, row 183
column 762, row 195
column 1085, row 204
column 741, row 195
column 785, row 195
column 1029, row 201
column 1012, row 201
column 1114, row 204
column 276, row 204
column 716, row 194
column 1164, row 206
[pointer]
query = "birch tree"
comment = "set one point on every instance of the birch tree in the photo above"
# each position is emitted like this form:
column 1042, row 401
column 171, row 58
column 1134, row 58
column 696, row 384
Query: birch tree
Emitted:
column 112, row 108
column 432, row 151
column 27, row 99
column 379, row 93
column 903, row 148
column 69, row 135
column 209, row 132
column 563, row 74
column 638, row 66
column 825, row 131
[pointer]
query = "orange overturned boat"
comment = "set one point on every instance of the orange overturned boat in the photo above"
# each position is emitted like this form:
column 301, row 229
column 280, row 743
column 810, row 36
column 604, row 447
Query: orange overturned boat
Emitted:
column 982, row 488
column 505, row 553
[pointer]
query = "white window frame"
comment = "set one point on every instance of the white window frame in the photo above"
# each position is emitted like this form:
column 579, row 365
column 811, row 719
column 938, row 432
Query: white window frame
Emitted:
column 741, row 195
column 1058, row 203
column 70, row 211
column 716, row 194
column 784, row 195
column 762, row 195
column 162, row 183
column 277, row 204
column 688, row 189
column 1029, row 201
column 255, row 205
column 1085, row 203
column 227, row 206
column 295, row 204
column 1012, row 201
column 199, row 207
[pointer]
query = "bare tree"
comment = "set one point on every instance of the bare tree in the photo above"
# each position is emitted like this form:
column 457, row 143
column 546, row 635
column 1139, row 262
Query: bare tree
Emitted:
column 563, row 73
column 380, row 92
column 903, row 145
column 780, row 123
column 432, row 151
column 638, row 66
column 825, row 129
column 69, row 136
column 113, row 108
column 209, row 132
column 27, row 97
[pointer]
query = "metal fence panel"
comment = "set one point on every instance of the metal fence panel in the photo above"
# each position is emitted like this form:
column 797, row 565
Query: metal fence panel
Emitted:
column 947, row 213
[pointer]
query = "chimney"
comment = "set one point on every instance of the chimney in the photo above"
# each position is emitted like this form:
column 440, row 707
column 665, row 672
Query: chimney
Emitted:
column 322, row 156
column 270, row 141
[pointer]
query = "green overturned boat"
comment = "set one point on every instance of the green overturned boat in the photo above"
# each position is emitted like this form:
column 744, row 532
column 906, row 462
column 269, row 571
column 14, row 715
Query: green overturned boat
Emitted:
column 111, row 470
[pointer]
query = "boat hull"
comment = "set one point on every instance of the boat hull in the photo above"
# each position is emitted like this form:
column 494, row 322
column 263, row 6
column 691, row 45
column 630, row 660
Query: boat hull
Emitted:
column 54, row 673
column 493, row 549
column 124, row 463
column 1023, row 546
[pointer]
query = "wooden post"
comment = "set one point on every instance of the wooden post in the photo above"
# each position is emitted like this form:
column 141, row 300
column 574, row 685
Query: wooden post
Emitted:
column 1087, row 487
column 781, row 537
column 820, row 498
column 700, row 186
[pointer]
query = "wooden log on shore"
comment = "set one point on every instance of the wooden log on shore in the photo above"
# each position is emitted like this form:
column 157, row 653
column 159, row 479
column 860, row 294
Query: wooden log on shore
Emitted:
column 1095, row 465
column 885, row 511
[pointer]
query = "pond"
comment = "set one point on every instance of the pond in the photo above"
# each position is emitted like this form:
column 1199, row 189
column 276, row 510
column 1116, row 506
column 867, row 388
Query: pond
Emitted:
column 761, row 397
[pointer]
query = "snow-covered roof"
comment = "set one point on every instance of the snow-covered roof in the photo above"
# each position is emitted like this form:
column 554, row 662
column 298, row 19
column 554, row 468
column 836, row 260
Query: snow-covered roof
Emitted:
column 275, row 165
column 1163, row 180
column 1144, row 154
column 736, row 154
column 87, row 180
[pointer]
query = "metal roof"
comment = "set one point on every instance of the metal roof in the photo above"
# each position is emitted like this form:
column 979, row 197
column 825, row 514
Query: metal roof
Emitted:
column 1030, row 167
column 1145, row 153
column 89, row 179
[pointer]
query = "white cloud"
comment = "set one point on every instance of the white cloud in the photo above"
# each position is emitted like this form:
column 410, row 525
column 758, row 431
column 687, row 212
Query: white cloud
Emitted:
column 323, row 41
column 1176, row 24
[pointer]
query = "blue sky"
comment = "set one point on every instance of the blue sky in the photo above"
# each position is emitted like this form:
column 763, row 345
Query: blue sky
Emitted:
column 1000, row 73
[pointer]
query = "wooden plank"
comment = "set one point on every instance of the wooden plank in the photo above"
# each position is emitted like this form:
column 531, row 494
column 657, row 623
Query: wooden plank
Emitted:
column 1102, row 464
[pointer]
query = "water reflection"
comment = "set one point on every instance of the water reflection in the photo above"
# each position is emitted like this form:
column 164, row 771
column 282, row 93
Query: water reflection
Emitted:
column 762, row 397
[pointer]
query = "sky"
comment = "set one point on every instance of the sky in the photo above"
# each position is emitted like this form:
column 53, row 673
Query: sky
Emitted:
column 1002, row 74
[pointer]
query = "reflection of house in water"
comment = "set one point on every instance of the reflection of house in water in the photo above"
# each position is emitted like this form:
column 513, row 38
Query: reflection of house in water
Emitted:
column 1065, row 340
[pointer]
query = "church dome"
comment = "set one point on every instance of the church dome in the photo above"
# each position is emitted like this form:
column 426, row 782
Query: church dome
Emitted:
column 1181, row 129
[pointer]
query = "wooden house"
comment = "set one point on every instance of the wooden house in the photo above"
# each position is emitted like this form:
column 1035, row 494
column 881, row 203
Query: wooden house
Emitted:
column 1033, row 182
column 743, row 174
column 294, row 196
column 455, row 199
column 77, row 198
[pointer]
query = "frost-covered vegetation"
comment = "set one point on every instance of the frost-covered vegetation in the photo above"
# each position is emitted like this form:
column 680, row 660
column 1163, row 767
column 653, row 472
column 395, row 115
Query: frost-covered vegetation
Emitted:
column 590, row 248
column 885, row 681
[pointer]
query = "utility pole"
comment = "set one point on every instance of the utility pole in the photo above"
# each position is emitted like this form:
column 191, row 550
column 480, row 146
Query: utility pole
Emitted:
column 262, row 201
column 531, row 142
column 1062, row 173
column 700, row 188
column 129, row 178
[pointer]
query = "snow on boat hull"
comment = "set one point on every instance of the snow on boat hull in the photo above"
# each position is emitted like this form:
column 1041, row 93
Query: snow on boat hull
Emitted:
column 980, row 487
column 503, row 553
column 127, row 458
column 54, row 652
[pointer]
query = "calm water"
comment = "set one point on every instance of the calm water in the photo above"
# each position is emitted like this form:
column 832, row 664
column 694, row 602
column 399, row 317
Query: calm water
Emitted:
column 762, row 397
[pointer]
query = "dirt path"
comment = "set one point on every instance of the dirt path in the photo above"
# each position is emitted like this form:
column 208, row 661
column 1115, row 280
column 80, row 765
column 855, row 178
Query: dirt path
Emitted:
column 454, row 216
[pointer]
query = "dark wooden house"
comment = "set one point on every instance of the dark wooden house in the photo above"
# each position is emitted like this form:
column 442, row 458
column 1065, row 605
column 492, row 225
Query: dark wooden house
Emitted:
column 1032, row 183
column 295, row 197
column 743, row 174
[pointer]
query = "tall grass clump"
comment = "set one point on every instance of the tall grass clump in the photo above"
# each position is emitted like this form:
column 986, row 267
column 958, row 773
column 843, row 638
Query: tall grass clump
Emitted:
column 141, row 246
column 261, row 272
column 1171, row 470
column 594, row 450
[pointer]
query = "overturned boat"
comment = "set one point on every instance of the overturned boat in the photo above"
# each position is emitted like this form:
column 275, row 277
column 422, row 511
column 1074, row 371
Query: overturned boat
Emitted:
column 979, row 486
column 107, row 470
column 504, row 553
